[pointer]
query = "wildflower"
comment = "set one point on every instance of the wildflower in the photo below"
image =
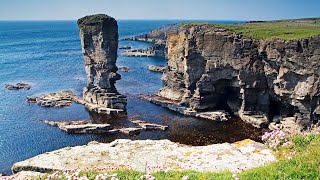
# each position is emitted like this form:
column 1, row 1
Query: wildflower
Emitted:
column 147, row 177
column 235, row 176
column 185, row 177
column 289, row 143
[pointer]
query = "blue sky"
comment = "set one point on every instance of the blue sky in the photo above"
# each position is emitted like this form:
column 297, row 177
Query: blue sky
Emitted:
column 159, row 9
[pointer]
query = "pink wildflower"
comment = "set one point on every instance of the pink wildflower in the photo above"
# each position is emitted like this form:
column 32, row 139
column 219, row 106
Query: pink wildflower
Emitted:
column 185, row 177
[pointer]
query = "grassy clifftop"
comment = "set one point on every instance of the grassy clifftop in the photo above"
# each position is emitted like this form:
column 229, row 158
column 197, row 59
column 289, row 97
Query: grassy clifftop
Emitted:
column 281, row 29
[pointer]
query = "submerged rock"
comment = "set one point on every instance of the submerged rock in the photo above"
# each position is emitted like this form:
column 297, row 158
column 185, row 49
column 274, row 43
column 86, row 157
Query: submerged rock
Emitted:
column 125, row 47
column 123, row 68
column 141, row 154
column 149, row 126
column 131, row 131
column 99, row 39
column 18, row 86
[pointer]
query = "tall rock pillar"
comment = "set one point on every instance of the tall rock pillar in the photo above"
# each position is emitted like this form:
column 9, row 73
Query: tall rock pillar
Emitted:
column 99, row 40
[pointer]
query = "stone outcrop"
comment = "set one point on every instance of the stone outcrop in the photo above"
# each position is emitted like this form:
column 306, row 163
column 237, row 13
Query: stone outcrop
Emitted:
column 99, row 39
column 59, row 99
column 80, row 127
column 88, row 127
column 261, row 81
column 18, row 86
column 140, row 155
column 156, row 68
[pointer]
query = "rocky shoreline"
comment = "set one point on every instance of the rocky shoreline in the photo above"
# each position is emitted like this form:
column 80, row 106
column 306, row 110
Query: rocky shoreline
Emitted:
column 175, row 106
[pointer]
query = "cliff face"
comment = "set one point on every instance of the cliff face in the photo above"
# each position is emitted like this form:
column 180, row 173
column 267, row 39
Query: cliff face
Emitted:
column 262, row 81
column 99, row 39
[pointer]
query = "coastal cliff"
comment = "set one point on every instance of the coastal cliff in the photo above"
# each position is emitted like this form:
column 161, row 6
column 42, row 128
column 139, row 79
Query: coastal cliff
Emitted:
column 99, row 40
column 156, row 36
column 261, row 80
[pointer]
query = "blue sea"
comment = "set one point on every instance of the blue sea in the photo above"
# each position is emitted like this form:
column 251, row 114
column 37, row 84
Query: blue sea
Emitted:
column 47, row 54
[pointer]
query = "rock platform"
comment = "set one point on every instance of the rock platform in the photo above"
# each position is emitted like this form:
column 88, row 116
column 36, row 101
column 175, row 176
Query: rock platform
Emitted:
column 138, row 155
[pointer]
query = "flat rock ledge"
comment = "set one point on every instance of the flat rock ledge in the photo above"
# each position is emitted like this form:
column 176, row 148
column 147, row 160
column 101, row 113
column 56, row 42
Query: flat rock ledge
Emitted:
column 175, row 106
column 141, row 154
column 58, row 99
column 80, row 127
column 67, row 97
column 18, row 86
column 86, row 127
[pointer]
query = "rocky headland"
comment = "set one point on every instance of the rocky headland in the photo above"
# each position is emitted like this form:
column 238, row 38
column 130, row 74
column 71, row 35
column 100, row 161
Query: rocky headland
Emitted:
column 263, row 81
column 158, row 37
column 99, row 39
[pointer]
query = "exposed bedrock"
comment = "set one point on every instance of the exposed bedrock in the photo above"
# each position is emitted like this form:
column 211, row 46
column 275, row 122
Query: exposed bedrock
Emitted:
column 99, row 39
column 261, row 81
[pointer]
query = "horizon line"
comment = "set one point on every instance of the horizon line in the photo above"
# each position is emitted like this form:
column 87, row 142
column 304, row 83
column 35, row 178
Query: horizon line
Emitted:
column 242, row 20
column 127, row 20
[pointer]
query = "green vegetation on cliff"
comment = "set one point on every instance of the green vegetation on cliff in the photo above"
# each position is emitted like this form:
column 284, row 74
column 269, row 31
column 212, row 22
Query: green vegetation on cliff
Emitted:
column 282, row 29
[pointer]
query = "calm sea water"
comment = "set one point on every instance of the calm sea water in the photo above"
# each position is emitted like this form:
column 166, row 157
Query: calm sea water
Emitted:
column 48, row 55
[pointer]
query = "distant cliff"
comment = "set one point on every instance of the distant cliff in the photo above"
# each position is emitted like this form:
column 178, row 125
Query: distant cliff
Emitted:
column 156, row 36
column 262, row 80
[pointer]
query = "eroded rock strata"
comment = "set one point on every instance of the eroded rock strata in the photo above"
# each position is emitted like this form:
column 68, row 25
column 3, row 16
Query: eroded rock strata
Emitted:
column 275, row 81
column 99, row 39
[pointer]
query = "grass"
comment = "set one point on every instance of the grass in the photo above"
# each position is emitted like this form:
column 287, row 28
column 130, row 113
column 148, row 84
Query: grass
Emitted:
column 305, row 164
column 284, row 29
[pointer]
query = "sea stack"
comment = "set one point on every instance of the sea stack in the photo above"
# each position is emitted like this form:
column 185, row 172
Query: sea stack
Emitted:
column 99, row 39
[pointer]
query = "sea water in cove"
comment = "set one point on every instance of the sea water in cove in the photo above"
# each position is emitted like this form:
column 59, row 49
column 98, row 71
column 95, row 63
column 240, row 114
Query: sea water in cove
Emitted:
column 48, row 55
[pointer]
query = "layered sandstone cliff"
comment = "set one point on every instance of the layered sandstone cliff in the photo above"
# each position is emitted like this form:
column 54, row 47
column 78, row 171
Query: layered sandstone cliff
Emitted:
column 99, row 39
column 262, row 81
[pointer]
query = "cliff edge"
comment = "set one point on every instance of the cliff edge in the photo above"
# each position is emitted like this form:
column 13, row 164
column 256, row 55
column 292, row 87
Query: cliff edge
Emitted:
column 267, row 82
